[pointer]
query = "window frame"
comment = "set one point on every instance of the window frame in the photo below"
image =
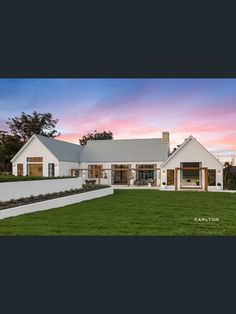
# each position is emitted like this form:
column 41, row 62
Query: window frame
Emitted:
column 172, row 177
column 93, row 171
column 51, row 171
column 210, row 176
column 34, row 159
column 20, row 170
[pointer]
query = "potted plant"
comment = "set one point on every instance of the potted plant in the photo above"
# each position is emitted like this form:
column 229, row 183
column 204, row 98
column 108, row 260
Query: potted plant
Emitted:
column 218, row 186
column 197, row 182
column 149, row 181
column 164, row 184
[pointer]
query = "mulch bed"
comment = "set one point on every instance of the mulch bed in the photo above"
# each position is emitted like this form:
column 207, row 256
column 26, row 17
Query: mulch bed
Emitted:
column 45, row 197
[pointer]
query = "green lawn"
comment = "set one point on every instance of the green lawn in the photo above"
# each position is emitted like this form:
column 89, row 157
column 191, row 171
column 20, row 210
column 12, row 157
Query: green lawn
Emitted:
column 133, row 212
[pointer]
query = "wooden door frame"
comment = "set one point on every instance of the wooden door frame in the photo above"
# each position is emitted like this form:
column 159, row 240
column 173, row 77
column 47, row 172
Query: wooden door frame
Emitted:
column 205, row 169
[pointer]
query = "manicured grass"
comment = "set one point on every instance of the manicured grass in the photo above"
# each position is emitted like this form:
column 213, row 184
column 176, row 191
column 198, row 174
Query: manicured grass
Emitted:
column 133, row 212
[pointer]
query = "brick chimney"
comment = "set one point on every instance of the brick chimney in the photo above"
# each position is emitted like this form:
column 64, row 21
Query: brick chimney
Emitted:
column 166, row 137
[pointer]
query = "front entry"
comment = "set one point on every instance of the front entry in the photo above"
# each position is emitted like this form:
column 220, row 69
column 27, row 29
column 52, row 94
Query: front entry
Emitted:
column 120, row 174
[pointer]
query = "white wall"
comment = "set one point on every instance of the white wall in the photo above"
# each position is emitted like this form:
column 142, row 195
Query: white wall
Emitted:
column 193, row 152
column 108, row 165
column 54, row 203
column 66, row 166
column 35, row 149
column 16, row 190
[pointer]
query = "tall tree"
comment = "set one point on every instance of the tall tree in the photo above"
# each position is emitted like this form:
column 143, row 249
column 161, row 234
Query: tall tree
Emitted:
column 228, row 177
column 9, row 146
column 20, row 130
column 96, row 136
column 26, row 125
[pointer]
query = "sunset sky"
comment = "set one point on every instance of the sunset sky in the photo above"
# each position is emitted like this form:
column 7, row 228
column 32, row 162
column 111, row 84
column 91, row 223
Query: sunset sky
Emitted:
column 131, row 108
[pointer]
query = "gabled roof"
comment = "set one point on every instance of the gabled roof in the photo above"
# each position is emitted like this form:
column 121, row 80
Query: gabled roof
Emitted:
column 181, row 147
column 63, row 151
column 125, row 150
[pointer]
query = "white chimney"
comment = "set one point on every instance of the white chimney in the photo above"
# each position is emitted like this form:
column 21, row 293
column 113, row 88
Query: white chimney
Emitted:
column 166, row 137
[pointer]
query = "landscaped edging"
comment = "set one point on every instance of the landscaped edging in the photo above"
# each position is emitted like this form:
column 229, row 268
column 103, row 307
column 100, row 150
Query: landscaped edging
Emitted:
column 55, row 203
column 19, row 189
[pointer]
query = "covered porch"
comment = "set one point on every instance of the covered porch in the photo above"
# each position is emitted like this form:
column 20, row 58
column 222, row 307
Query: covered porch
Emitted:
column 122, row 175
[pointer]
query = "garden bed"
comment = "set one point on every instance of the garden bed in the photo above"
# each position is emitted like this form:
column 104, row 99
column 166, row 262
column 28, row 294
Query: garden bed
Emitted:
column 49, row 196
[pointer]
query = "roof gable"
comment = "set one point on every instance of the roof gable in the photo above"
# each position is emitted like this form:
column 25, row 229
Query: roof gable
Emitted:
column 63, row 151
column 23, row 148
column 180, row 148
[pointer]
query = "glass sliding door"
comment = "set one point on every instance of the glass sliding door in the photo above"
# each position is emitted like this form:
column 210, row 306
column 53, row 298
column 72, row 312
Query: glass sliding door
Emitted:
column 120, row 174
column 190, row 177
column 145, row 174
column 35, row 170
column 35, row 166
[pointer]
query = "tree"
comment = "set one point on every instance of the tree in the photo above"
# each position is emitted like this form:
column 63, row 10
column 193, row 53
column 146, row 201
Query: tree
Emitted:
column 9, row 146
column 229, row 179
column 96, row 136
column 26, row 125
column 20, row 130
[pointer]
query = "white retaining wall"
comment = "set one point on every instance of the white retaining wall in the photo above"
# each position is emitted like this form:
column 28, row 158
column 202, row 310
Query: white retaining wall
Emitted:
column 19, row 189
column 54, row 203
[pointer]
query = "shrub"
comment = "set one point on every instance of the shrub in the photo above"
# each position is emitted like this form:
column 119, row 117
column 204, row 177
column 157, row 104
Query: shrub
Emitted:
column 231, row 184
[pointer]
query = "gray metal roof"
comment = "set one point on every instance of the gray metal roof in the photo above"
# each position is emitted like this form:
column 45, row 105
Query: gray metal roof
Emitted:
column 63, row 151
column 125, row 150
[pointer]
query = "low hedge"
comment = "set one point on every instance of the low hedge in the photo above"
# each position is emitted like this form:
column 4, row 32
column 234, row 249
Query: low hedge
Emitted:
column 12, row 178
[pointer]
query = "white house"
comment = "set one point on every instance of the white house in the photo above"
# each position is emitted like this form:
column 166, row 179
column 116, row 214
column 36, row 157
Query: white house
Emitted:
column 43, row 156
column 123, row 162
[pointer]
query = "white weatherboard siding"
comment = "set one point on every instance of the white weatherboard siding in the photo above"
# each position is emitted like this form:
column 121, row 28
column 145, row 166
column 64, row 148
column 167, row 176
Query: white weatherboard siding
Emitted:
column 54, row 203
column 16, row 190
column 66, row 166
column 35, row 149
column 192, row 151
column 108, row 165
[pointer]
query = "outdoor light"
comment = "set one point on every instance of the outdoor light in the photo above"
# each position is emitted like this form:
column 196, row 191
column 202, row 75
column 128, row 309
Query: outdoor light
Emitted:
column 163, row 171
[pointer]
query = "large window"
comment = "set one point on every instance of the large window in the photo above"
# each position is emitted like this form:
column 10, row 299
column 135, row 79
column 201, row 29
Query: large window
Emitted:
column 145, row 172
column 20, row 169
column 211, row 177
column 51, row 170
column 170, row 177
column 34, row 159
column 95, row 171
column 34, row 166
column 190, row 175
column 35, row 170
